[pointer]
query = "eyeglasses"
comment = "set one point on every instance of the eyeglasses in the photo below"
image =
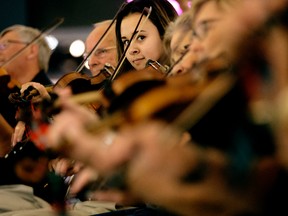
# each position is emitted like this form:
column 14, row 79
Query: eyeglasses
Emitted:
column 4, row 45
column 100, row 53
column 202, row 29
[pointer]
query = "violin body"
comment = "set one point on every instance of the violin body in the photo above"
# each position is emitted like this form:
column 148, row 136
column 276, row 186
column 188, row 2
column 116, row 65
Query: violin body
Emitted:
column 80, row 82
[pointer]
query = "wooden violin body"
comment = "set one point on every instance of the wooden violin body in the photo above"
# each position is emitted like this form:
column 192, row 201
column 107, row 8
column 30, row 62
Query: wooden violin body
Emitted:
column 80, row 83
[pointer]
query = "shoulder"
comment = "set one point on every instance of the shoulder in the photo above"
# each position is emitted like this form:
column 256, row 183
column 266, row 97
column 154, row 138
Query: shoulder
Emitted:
column 42, row 78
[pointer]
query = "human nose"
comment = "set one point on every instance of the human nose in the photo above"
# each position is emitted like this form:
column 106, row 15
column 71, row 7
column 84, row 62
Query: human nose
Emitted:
column 189, row 60
column 177, row 69
column 133, row 50
column 93, row 60
column 196, row 46
column 186, row 64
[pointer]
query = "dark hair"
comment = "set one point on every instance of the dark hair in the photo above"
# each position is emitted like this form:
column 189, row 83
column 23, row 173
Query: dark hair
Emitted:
column 162, row 14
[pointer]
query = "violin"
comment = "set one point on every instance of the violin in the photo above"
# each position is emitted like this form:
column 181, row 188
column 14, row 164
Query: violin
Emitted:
column 80, row 82
column 129, row 78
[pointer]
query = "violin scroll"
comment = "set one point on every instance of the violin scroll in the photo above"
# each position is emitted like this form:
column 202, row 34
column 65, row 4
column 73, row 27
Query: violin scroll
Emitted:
column 157, row 66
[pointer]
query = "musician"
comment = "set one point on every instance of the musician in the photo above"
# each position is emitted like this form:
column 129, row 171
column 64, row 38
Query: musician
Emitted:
column 106, row 52
column 31, row 65
column 147, row 43
column 177, row 39
column 29, row 165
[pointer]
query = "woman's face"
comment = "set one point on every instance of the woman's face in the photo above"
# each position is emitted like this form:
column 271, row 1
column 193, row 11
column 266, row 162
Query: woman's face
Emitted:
column 146, row 45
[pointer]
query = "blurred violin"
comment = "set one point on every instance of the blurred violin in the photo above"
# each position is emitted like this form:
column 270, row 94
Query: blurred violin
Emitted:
column 151, row 72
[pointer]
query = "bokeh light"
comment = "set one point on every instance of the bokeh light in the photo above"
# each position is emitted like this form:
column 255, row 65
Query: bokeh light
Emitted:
column 77, row 48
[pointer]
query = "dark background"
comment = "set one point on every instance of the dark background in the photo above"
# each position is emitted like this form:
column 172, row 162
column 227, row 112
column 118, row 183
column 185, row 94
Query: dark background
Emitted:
column 79, row 15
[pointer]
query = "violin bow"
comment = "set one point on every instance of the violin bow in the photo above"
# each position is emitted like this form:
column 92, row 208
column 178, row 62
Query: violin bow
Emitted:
column 103, row 36
column 46, row 30
column 176, row 62
column 134, row 35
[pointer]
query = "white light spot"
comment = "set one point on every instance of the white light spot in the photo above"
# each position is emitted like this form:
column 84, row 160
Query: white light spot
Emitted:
column 77, row 48
column 52, row 41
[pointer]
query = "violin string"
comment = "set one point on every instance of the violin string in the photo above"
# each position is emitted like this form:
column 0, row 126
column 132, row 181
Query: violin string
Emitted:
column 134, row 35
column 103, row 36
column 46, row 30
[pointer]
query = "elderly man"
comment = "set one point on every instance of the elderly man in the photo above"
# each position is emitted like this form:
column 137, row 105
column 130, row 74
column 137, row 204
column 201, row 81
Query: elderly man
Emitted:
column 106, row 52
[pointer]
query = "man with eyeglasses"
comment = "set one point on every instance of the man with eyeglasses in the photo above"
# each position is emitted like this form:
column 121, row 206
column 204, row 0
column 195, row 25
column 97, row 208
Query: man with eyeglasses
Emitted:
column 105, row 53
column 22, row 61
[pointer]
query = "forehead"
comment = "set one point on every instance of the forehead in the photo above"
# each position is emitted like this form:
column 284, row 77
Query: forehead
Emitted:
column 10, row 35
column 98, row 32
column 208, row 10
column 129, row 23
column 179, row 38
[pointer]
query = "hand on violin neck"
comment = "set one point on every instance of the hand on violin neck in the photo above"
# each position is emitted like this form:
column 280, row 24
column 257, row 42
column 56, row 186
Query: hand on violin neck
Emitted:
column 34, row 92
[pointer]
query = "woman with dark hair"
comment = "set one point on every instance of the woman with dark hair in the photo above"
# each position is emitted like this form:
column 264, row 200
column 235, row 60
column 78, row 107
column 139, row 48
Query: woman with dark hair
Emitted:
column 148, row 42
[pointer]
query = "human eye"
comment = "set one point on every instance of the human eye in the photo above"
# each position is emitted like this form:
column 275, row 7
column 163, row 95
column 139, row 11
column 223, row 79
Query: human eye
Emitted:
column 125, row 42
column 205, row 26
column 201, row 30
column 141, row 37
column 3, row 45
column 185, row 49
column 102, row 51
column 99, row 52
